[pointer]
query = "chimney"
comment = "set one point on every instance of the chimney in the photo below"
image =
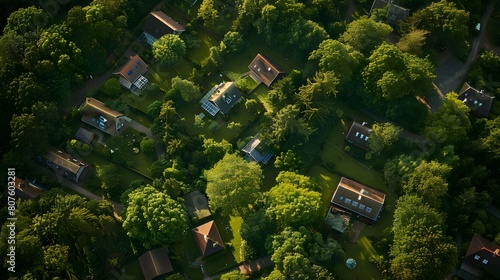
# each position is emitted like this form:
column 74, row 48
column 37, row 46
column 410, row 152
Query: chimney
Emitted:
column 496, row 253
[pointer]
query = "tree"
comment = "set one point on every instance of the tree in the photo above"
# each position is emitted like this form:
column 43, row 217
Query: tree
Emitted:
column 233, row 42
column 287, row 161
column 208, row 13
column 112, row 87
column 214, row 151
column 233, row 275
column 169, row 50
column 383, row 136
column 47, row 115
column 413, row 41
column 147, row 145
column 154, row 218
column 292, row 205
column 251, row 105
column 291, row 177
column 28, row 135
column 57, row 259
column 365, row 34
column 26, row 21
column 111, row 178
column 154, row 109
column 421, row 250
column 450, row 123
column 187, row 89
column 287, row 122
column 391, row 70
column 256, row 227
column 233, row 183
column 447, row 25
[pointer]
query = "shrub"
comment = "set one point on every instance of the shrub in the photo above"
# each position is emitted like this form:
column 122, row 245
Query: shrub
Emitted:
column 112, row 88
column 147, row 145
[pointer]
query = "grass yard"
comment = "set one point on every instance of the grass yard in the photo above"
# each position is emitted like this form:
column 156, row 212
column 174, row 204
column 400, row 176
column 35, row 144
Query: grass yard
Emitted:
column 192, row 252
column 360, row 251
column 163, row 77
column 261, row 94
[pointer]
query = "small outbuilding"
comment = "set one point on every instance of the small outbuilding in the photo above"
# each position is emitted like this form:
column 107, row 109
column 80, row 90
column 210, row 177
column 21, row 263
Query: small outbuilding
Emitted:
column 155, row 263
column 257, row 151
column 208, row 239
column 395, row 13
column 63, row 164
column 84, row 135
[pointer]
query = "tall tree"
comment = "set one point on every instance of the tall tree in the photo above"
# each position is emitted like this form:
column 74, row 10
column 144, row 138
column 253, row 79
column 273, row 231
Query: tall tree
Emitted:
column 169, row 50
column 208, row 13
column 187, row 89
column 413, row 41
column 365, row 34
column 154, row 218
column 233, row 184
column 286, row 122
column 383, row 136
column 214, row 151
column 28, row 135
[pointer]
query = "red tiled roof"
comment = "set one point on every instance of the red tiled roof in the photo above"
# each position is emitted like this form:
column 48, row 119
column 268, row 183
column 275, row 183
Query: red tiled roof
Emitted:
column 264, row 69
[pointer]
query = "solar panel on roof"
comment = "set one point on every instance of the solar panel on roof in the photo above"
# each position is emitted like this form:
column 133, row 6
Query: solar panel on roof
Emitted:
column 130, row 72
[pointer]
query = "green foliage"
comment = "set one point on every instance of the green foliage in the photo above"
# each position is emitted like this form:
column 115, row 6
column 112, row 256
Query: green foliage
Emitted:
column 255, row 229
column 111, row 179
column 56, row 258
column 413, row 41
column 154, row 218
column 251, row 105
column 47, row 115
column 287, row 161
column 169, row 50
column 28, row 135
column 233, row 183
column 247, row 252
column 421, row 250
column 187, row 89
column 154, row 109
column 365, row 34
column 233, row 275
column 208, row 13
column 112, row 87
column 147, row 145
column 287, row 122
column 233, row 42
column 214, row 151
column 383, row 136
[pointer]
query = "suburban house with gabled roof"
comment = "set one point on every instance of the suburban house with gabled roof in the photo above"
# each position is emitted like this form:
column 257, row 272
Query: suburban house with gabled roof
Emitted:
column 155, row 263
column 63, row 164
column 477, row 101
column 483, row 256
column 208, row 239
column 359, row 199
column 263, row 70
column 257, row 151
column 96, row 114
column 221, row 98
column 395, row 13
column 28, row 189
column 157, row 25
column 131, row 74
column 358, row 134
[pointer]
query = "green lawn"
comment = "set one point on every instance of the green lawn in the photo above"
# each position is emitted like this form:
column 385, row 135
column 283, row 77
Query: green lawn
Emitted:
column 141, row 161
column 360, row 251
column 261, row 94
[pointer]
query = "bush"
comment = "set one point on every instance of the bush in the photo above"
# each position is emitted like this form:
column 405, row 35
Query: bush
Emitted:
column 135, row 48
column 247, row 252
column 147, row 145
column 112, row 88
column 251, row 105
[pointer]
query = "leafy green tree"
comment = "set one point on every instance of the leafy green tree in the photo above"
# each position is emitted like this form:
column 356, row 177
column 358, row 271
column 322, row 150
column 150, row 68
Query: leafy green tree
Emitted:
column 292, row 205
column 208, row 13
column 232, row 42
column 154, row 218
column 111, row 179
column 421, row 250
column 28, row 135
column 233, row 183
column 112, row 87
column 233, row 275
column 450, row 123
column 169, row 50
column 383, row 136
column 256, row 228
column 287, row 122
column 413, row 41
column 154, row 109
column 147, row 145
column 214, row 151
column 291, row 177
column 490, row 142
column 57, row 259
column 26, row 21
column 251, row 105
column 187, row 89
column 287, row 161
column 47, row 115
column 447, row 25
column 365, row 34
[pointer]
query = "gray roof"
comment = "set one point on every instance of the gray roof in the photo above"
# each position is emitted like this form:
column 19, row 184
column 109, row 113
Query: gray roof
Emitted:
column 225, row 96
column 197, row 205
column 64, row 160
column 357, row 198
column 251, row 150
column 477, row 101
column 358, row 134
column 159, row 24
column 155, row 263
column 484, row 254
column 84, row 135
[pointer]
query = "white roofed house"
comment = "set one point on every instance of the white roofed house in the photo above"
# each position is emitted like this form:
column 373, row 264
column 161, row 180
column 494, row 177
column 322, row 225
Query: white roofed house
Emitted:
column 257, row 151
column 131, row 74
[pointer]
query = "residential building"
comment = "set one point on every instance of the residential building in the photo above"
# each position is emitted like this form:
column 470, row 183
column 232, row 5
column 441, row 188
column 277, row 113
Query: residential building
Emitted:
column 84, row 135
column 257, row 151
column 155, row 263
column 96, row 114
column 482, row 257
column 131, row 74
column 358, row 199
column 263, row 70
column 395, row 13
column 157, row 25
column 208, row 239
column 221, row 98
column 477, row 101
column 358, row 134
column 28, row 189
column 63, row 164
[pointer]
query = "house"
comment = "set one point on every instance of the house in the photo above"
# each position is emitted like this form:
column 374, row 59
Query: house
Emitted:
column 96, row 114
column 483, row 256
column 84, row 135
column 131, row 74
column 155, row 263
column 359, row 199
column 157, row 25
column 28, row 189
column 63, row 164
column 257, row 151
column 197, row 205
column 263, row 70
column 208, row 239
column 395, row 13
column 477, row 101
column 221, row 98
column 358, row 134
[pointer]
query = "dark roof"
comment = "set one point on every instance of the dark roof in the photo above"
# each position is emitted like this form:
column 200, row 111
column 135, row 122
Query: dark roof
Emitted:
column 208, row 238
column 395, row 13
column 357, row 198
column 477, row 101
column 265, row 69
column 225, row 96
column 26, row 189
column 358, row 134
column 133, row 69
column 159, row 24
column 252, row 149
column 484, row 254
column 65, row 160
column 155, row 263
column 92, row 109
column 84, row 135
